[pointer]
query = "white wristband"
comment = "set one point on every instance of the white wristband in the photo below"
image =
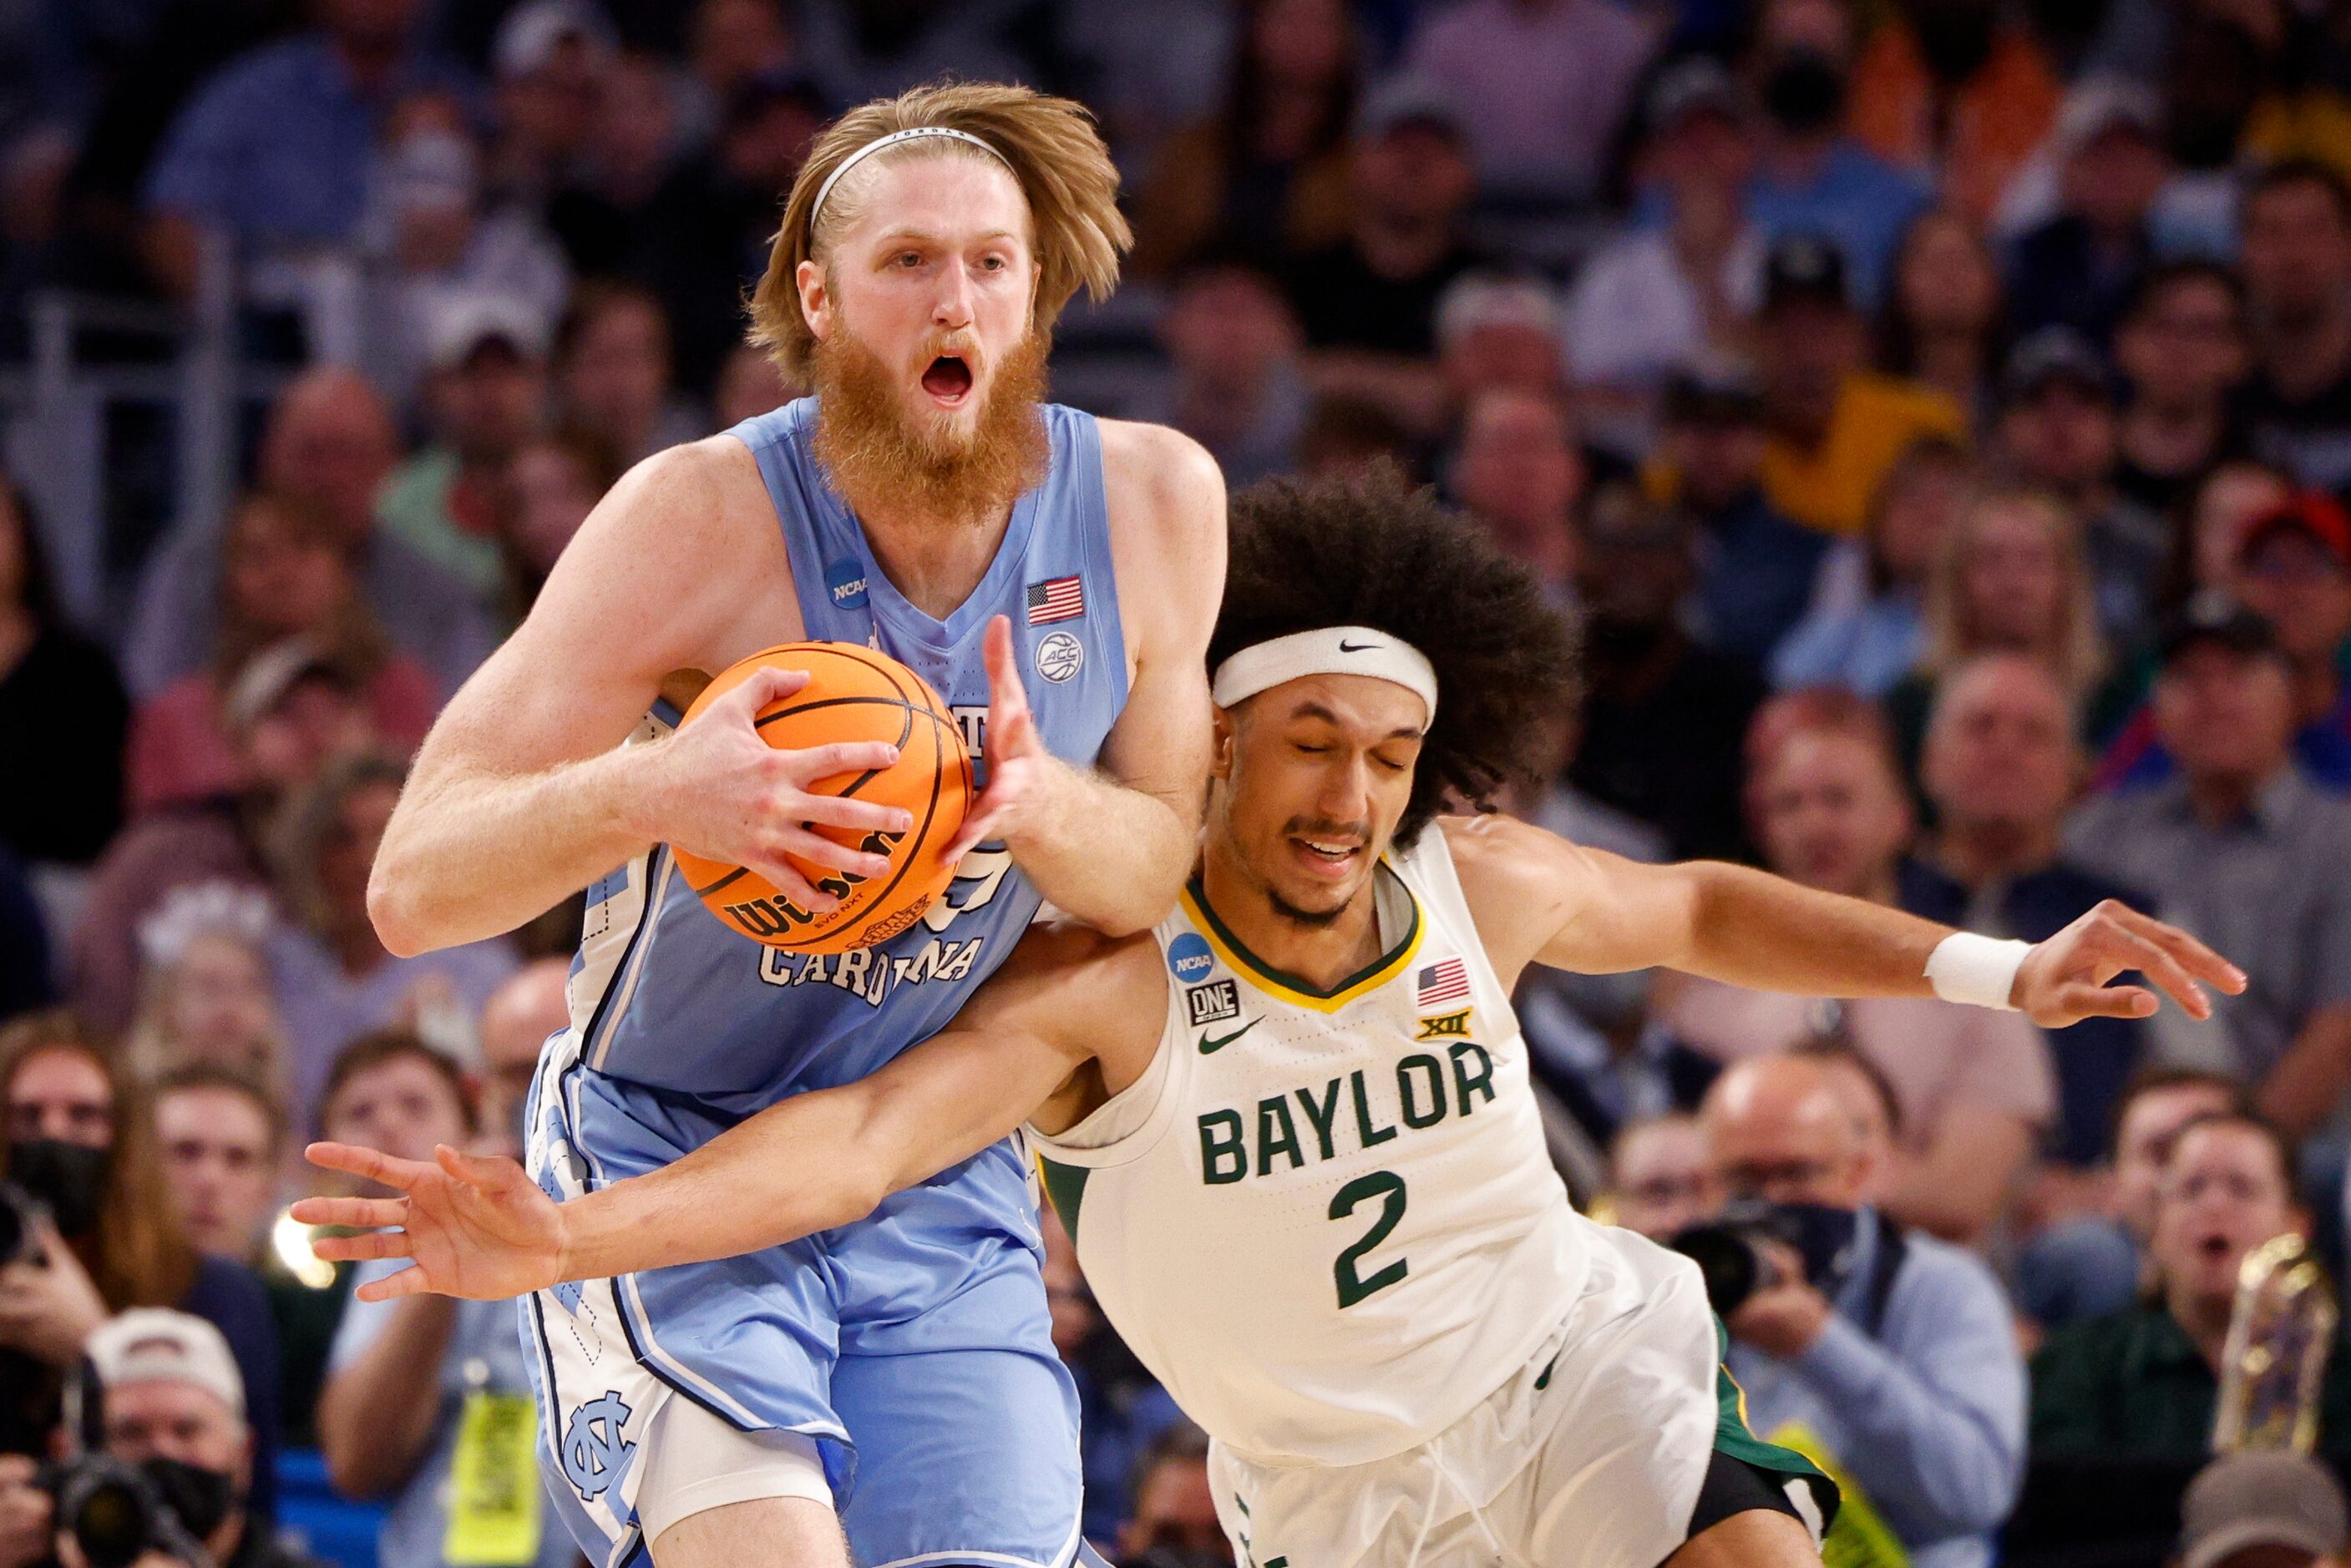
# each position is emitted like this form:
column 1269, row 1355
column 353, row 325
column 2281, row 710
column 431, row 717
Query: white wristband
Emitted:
column 1978, row 971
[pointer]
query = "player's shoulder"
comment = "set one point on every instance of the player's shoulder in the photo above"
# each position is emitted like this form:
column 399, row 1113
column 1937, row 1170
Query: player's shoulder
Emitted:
column 1496, row 855
column 1169, row 480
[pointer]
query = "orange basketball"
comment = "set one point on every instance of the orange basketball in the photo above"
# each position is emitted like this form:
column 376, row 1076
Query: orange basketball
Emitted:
column 853, row 694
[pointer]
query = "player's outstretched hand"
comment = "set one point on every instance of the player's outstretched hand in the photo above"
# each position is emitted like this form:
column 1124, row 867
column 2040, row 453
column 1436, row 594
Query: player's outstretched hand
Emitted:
column 1022, row 776
column 2068, row 977
column 480, row 1229
column 727, row 795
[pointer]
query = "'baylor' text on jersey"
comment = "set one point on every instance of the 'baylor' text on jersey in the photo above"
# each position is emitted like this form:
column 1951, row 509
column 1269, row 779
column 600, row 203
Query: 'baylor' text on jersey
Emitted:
column 1326, row 1220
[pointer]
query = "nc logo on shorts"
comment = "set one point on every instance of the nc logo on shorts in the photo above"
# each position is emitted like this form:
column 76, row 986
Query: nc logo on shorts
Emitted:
column 1189, row 957
column 594, row 1456
column 845, row 580
column 1059, row 657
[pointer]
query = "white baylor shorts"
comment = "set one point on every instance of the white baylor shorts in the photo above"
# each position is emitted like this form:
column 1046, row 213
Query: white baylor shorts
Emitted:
column 1590, row 1455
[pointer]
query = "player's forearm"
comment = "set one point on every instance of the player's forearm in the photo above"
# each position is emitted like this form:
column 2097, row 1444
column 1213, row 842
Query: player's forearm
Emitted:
column 1111, row 857
column 471, row 855
column 376, row 1416
column 1748, row 928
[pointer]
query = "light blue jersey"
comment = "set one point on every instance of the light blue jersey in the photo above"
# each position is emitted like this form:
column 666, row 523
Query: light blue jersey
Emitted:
column 915, row 1345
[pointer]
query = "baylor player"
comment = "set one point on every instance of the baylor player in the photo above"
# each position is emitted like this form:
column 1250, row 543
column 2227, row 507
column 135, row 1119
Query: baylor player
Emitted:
column 1291, row 1128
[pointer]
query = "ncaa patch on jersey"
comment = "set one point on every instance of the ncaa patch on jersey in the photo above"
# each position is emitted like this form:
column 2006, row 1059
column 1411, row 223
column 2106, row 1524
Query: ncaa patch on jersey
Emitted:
column 844, row 581
column 1445, row 1026
column 1189, row 957
column 1219, row 999
column 1059, row 656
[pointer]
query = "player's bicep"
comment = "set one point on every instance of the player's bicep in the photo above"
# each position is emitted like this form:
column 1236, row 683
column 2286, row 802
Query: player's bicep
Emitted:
column 1539, row 899
column 1169, row 539
column 1629, row 915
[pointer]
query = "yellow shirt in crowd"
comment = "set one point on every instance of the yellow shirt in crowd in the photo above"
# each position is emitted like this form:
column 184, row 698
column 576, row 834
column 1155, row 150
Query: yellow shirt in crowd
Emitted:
column 1877, row 419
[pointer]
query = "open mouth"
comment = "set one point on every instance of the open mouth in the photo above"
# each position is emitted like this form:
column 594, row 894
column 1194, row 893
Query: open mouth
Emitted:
column 1332, row 857
column 948, row 380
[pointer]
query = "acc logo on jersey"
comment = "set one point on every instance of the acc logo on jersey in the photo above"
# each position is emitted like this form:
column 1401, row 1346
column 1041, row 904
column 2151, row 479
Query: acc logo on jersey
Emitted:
column 1059, row 657
column 1445, row 1026
column 845, row 581
column 594, row 1456
column 1207, row 1004
column 1189, row 957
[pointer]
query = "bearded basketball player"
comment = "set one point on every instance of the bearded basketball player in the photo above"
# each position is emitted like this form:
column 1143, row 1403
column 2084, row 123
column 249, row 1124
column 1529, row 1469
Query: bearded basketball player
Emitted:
column 1291, row 1130
column 893, row 1378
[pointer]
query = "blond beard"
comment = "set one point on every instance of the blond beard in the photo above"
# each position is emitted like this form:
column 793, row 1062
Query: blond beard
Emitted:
column 879, row 460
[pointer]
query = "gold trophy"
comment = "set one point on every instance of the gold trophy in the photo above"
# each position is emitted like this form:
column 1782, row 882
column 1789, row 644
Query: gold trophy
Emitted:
column 2279, row 1337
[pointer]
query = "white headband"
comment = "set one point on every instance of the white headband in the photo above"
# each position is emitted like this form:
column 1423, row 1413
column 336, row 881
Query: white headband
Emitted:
column 913, row 133
column 1325, row 650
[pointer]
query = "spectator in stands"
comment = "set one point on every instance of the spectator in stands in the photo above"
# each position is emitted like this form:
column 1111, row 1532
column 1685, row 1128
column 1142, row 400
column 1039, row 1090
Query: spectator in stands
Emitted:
column 1269, row 167
column 730, row 43
column 1882, row 1350
column 328, row 446
column 2058, row 431
column 548, row 62
column 81, row 1136
column 204, row 991
column 405, row 1375
column 287, row 594
column 1500, row 333
column 485, row 395
column 1519, row 475
column 2242, row 849
column 1812, row 177
column 1173, row 1524
column 516, row 1021
column 1665, row 717
column 1368, row 302
column 2293, row 566
column 1755, row 567
column 1658, row 300
column 2263, row 1509
column 1347, row 436
column 60, row 686
column 1999, row 767
column 1945, row 318
column 2122, row 1403
column 274, row 149
column 2011, row 577
column 2078, row 269
column 287, row 717
column 1235, row 383
column 1544, row 84
column 168, row 1395
column 2220, row 504
column 633, row 144
column 1867, row 1096
column 551, row 483
column 2090, row 1257
column 1836, row 428
column 223, row 1141
column 749, row 385
column 1957, row 87
column 1974, row 1085
column 613, row 370
column 2180, row 345
column 1867, row 627
column 335, row 978
column 1659, row 1177
column 2296, row 221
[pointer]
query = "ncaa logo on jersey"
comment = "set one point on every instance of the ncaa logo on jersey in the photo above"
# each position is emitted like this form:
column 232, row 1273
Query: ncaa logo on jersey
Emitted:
column 1218, row 999
column 845, row 582
column 1189, row 957
column 1059, row 657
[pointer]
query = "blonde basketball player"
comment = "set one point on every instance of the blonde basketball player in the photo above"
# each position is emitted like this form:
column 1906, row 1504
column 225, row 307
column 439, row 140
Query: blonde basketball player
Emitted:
column 1290, row 1129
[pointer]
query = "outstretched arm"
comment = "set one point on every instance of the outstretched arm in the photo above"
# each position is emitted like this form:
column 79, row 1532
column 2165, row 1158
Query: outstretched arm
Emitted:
column 1540, row 899
column 1071, row 1016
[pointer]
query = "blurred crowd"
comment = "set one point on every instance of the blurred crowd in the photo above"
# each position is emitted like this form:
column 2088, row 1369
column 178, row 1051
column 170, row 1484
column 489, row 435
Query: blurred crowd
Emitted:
column 1937, row 413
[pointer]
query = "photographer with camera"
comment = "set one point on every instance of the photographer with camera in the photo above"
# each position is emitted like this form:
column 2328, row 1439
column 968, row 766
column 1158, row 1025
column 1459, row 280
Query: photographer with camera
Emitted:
column 168, row 1483
column 1884, row 1354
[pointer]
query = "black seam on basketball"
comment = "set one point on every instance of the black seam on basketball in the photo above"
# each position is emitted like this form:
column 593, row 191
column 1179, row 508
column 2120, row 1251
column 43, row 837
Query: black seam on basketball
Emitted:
column 723, row 883
column 922, row 839
column 809, row 707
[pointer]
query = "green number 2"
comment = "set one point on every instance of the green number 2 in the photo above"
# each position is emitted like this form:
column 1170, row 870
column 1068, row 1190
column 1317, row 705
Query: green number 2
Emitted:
column 1388, row 1188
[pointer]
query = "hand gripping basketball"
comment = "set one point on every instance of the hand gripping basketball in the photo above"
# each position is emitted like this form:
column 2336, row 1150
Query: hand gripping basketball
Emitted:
column 729, row 796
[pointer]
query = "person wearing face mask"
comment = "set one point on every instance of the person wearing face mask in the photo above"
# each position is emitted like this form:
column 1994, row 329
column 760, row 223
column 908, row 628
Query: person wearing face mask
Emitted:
column 81, row 1146
column 2122, row 1403
column 171, row 1404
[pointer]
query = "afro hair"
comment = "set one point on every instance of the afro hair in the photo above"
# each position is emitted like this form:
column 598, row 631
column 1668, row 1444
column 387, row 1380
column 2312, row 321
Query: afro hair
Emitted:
column 1373, row 551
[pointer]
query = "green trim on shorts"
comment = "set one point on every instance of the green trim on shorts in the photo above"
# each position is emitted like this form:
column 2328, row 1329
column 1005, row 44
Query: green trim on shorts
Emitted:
column 1732, row 1434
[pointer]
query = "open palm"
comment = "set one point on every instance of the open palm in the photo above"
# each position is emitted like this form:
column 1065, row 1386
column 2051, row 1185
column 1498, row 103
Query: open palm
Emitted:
column 480, row 1229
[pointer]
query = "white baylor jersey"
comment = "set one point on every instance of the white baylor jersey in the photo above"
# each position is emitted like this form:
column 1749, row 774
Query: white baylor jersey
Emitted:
column 1326, row 1220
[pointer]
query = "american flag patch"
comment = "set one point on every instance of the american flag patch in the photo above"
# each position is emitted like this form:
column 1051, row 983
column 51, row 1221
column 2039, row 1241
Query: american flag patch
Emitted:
column 1059, row 598
column 1443, row 982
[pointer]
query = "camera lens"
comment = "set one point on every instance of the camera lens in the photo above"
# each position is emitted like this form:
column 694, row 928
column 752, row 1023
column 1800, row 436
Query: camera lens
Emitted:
column 110, row 1523
column 1726, row 1260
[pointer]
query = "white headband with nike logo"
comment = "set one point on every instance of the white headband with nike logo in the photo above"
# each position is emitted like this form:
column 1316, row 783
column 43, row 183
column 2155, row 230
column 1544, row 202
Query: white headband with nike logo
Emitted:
column 1325, row 650
column 896, row 137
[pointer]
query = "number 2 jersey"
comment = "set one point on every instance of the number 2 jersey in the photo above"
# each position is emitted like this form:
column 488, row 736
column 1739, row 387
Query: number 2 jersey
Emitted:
column 1326, row 1220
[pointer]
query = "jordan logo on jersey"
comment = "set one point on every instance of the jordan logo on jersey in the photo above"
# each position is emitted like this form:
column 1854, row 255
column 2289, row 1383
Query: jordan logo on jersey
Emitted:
column 1425, row 1091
